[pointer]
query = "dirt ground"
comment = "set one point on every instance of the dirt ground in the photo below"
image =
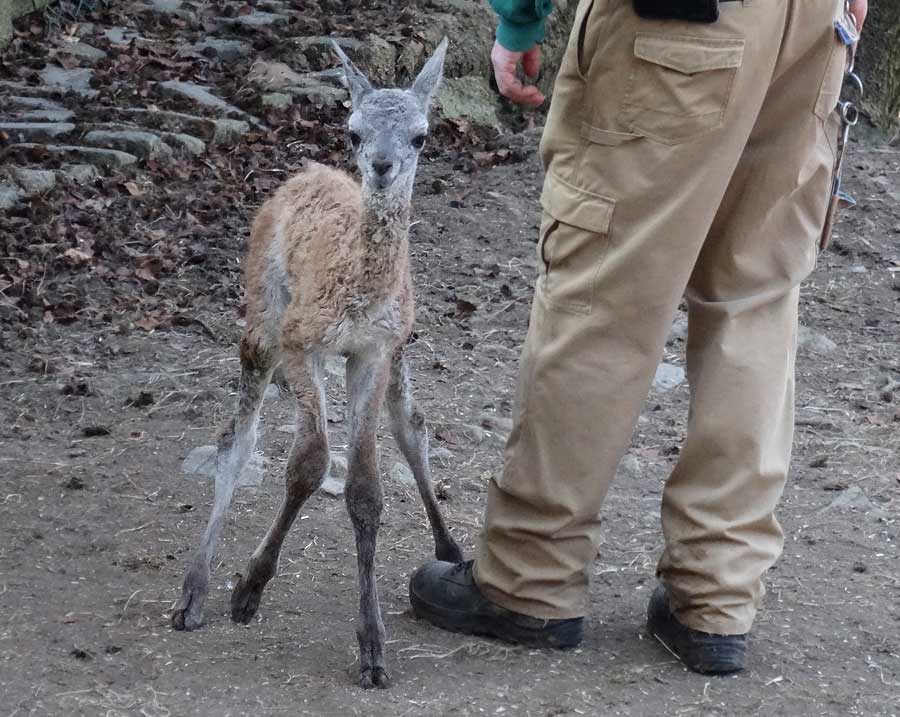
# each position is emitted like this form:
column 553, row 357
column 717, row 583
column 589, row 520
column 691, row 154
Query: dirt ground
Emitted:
column 100, row 405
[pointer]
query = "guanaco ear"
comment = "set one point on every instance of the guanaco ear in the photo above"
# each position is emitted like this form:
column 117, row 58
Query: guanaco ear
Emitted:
column 356, row 81
column 430, row 76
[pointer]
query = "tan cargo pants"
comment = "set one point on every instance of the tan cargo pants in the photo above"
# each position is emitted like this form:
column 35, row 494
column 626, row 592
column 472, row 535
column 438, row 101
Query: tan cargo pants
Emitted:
column 682, row 160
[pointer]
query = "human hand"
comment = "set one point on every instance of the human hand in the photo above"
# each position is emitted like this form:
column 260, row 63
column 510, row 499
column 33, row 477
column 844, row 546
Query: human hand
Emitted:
column 505, row 63
column 859, row 9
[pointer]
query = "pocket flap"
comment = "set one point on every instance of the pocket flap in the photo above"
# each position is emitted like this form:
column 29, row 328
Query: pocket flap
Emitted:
column 688, row 54
column 575, row 206
column 606, row 137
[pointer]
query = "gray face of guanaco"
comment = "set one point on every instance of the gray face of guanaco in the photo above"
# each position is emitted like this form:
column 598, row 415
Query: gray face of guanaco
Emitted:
column 387, row 128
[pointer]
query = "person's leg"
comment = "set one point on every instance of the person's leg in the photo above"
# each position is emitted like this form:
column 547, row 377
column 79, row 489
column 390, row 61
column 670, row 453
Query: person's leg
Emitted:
column 718, row 510
column 629, row 127
column 648, row 122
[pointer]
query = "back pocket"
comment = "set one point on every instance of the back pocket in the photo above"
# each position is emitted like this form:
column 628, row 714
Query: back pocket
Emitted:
column 681, row 85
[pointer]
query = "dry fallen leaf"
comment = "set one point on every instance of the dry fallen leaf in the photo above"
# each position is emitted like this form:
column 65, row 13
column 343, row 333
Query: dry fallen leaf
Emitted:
column 133, row 189
column 148, row 323
column 76, row 256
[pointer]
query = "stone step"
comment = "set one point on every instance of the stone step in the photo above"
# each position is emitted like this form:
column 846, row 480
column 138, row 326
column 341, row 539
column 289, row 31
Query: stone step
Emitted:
column 33, row 181
column 10, row 195
column 33, row 103
column 78, row 173
column 83, row 51
column 99, row 157
column 36, row 92
column 216, row 131
column 145, row 145
column 76, row 80
column 39, row 116
column 255, row 20
column 201, row 95
column 223, row 48
column 120, row 35
column 36, row 131
column 321, row 88
column 183, row 142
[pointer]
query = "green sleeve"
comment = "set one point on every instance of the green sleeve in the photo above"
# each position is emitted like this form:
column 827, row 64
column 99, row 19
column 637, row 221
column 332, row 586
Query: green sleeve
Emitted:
column 521, row 22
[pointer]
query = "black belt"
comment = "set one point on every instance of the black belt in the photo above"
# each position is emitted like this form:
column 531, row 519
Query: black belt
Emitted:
column 690, row 10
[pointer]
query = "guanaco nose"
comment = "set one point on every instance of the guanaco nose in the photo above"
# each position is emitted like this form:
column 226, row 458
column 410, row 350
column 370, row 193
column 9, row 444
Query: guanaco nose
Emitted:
column 381, row 167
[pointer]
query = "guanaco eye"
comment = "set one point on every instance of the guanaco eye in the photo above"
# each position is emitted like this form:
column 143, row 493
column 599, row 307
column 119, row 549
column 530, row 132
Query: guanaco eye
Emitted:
column 355, row 139
column 418, row 141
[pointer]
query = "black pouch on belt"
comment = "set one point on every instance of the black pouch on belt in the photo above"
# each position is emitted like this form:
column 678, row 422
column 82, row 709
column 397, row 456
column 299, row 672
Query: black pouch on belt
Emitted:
column 691, row 10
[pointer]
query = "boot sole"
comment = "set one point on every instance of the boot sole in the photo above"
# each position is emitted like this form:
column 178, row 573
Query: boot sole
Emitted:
column 497, row 626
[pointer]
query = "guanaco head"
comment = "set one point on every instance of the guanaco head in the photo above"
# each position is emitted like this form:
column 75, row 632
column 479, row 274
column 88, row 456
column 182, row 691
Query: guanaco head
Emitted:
column 387, row 128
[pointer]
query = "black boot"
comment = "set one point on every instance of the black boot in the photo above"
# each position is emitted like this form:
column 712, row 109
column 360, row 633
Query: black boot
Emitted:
column 701, row 652
column 446, row 595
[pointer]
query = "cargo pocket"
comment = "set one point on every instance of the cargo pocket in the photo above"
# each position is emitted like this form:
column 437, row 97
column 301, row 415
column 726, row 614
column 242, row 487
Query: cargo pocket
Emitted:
column 681, row 85
column 574, row 239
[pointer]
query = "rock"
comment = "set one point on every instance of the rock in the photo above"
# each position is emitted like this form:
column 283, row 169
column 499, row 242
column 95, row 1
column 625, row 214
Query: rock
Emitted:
column 277, row 100
column 443, row 490
column 273, row 393
column 322, row 44
column 34, row 103
column 224, row 49
column 336, row 370
column 44, row 116
column 166, row 7
column 83, row 51
column 77, row 80
column 217, row 131
column 320, row 95
column 120, row 35
column 859, row 269
column 469, row 98
column 333, row 77
column 228, row 132
column 336, row 479
column 401, row 473
column 815, row 342
column 201, row 95
column 187, row 143
column 255, row 20
column 854, row 498
column 9, row 196
column 668, row 377
column 410, row 59
column 380, row 61
column 630, row 467
column 473, row 433
column 201, row 461
column 79, row 173
column 338, row 465
column 439, row 454
column 7, row 13
column 141, row 144
column 274, row 76
column 34, row 181
column 103, row 158
column 679, row 330
column 36, row 131
column 493, row 422
column 333, row 486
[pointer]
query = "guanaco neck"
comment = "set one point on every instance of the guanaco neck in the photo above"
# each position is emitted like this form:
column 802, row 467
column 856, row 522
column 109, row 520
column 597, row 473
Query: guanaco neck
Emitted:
column 383, row 249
